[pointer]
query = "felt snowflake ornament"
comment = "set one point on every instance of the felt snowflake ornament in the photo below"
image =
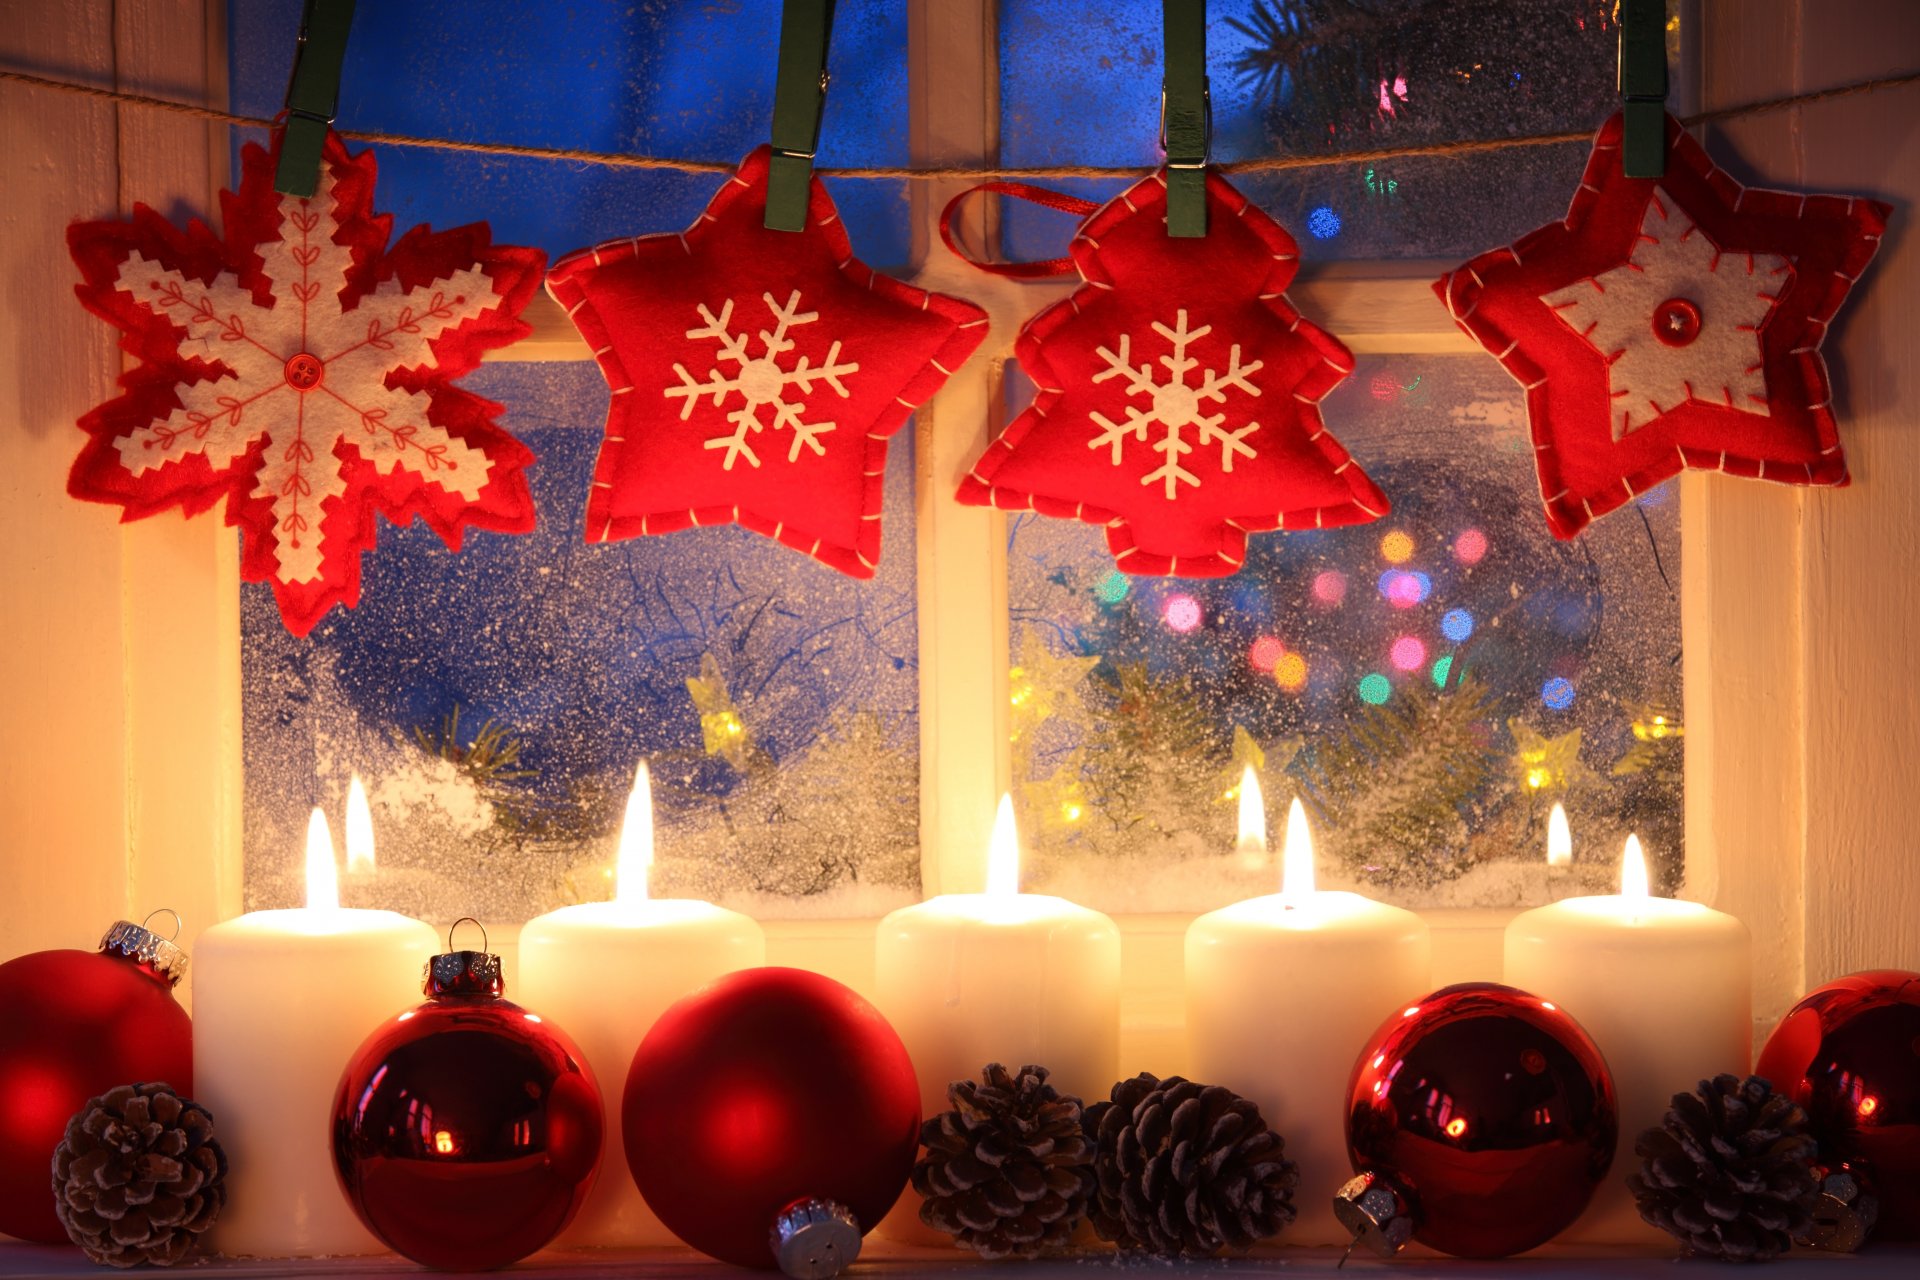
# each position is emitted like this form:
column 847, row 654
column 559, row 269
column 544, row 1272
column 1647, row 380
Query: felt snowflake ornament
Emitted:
column 757, row 375
column 302, row 369
column 1178, row 394
column 1670, row 323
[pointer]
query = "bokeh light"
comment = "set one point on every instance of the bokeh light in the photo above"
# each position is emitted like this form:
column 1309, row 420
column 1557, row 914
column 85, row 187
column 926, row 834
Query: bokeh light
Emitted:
column 1375, row 688
column 1456, row 625
column 1323, row 223
column 1470, row 547
column 1264, row 652
column 1113, row 588
column 1396, row 548
column 1557, row 693
column 1182, row 613
column 1290, row 672
column 1404, row 590
column 1408, row 653
column 1330, row 586
column 1442, row 670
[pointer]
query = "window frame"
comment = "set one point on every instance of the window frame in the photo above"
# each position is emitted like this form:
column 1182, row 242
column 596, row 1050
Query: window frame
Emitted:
column 139, row 622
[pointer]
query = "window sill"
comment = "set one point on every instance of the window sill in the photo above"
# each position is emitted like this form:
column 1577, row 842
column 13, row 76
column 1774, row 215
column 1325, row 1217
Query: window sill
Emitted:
column 897, row 1262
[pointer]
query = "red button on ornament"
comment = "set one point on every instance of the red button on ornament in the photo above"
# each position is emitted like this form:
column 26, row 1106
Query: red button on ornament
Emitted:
column 1676, row 322
column 304, row 372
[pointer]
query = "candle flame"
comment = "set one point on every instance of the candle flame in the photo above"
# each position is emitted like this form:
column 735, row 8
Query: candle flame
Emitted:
column 359, row 828
column 323, row 878
column 1251, row 843
column 1296, row 867
column 1003, row 853
column 1559, row 838
column 636, row 841
column 1633, row 870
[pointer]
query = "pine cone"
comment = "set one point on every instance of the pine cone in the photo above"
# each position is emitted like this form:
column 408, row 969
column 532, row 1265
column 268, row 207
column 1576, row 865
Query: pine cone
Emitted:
column 139, row 1176
column 1185, row 1169
column 1007, row 1172
column 1728, row 1173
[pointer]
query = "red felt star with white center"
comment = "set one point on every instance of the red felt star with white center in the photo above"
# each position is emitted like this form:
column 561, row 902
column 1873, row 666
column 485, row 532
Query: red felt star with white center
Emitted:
column 1178, row 394
column 1670, row 323
column 757, row 375
column 302, row 369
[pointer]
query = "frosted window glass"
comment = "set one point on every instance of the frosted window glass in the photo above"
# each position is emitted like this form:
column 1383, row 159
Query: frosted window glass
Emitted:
column 496, row 700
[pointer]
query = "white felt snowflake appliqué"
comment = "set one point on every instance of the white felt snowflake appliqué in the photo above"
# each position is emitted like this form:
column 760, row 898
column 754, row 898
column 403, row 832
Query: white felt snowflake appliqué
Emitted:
column 761, row 381
column 306, row 376
column 1173, row 405
column 300, row 366
column 1679, row 320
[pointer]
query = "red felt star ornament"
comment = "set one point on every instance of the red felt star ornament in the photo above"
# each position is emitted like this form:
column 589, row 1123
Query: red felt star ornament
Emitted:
column 1670, row 323
column 302, row 369
column 1178, row 394
column 757, row 375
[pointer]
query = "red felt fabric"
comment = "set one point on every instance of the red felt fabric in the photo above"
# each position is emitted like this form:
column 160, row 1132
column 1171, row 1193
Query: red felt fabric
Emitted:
column 1584, row 471
column 199, row 400
column 1057, row 458
column 664, row 465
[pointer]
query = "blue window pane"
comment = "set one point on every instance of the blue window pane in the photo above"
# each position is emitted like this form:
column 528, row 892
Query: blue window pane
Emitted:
column 1080, row 84
column 691, row 80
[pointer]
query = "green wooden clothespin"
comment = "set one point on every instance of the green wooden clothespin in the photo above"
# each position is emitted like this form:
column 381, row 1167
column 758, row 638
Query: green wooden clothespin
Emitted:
column 1643, row 88
column 313, row 94
column 798, row 97
column 1186, row 116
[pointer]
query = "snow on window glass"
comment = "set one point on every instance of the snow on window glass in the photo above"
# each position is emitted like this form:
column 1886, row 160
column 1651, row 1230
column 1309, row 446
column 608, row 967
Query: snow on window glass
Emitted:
column 496, row 700
column 1429, row 685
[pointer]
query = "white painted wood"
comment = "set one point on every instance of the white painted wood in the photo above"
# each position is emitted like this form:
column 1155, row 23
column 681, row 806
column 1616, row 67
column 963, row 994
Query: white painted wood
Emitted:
column 962, row 578
column 63, row 768
column 1803, row 716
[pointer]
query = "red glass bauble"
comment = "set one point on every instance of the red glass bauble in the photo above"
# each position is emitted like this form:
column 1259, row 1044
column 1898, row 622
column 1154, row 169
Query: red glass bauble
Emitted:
column 466, row 1131
column 1849, row 1053
column 767, row 1087
column 1494, row 1112
column 76, row 1024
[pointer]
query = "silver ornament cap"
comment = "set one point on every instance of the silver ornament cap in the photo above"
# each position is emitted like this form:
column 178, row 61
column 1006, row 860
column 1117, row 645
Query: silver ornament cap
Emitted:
column 815, row 1238
column 1377, row 1211
column 148, row 949
column 1843, row 1215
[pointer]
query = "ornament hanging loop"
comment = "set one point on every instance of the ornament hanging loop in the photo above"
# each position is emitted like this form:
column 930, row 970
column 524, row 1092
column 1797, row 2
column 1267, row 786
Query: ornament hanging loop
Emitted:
column 454, row 927
column 178, row 923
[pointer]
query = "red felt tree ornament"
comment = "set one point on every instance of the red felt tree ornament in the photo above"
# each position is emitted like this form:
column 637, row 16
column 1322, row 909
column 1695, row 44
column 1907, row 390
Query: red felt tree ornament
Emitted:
column 1670, row 323
column 79, row 1023
column 772, row 1119
column 466, row 1131
column 301, row 368
column 1849, row 1053
column 1178, row 390
column 757, row 375
column 1479, row 1120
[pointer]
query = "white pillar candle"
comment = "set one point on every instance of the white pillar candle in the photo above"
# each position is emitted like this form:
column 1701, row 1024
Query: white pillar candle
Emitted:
column 1665, row 988
column 1282, row 993
column 1001, row 976
column 606, row 971
column 281, row 999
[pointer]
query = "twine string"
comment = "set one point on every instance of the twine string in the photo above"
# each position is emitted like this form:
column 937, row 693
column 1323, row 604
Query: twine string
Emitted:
column 960, row 173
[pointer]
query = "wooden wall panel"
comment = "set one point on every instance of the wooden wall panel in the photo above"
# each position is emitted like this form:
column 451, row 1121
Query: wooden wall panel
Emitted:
column 63, row 778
